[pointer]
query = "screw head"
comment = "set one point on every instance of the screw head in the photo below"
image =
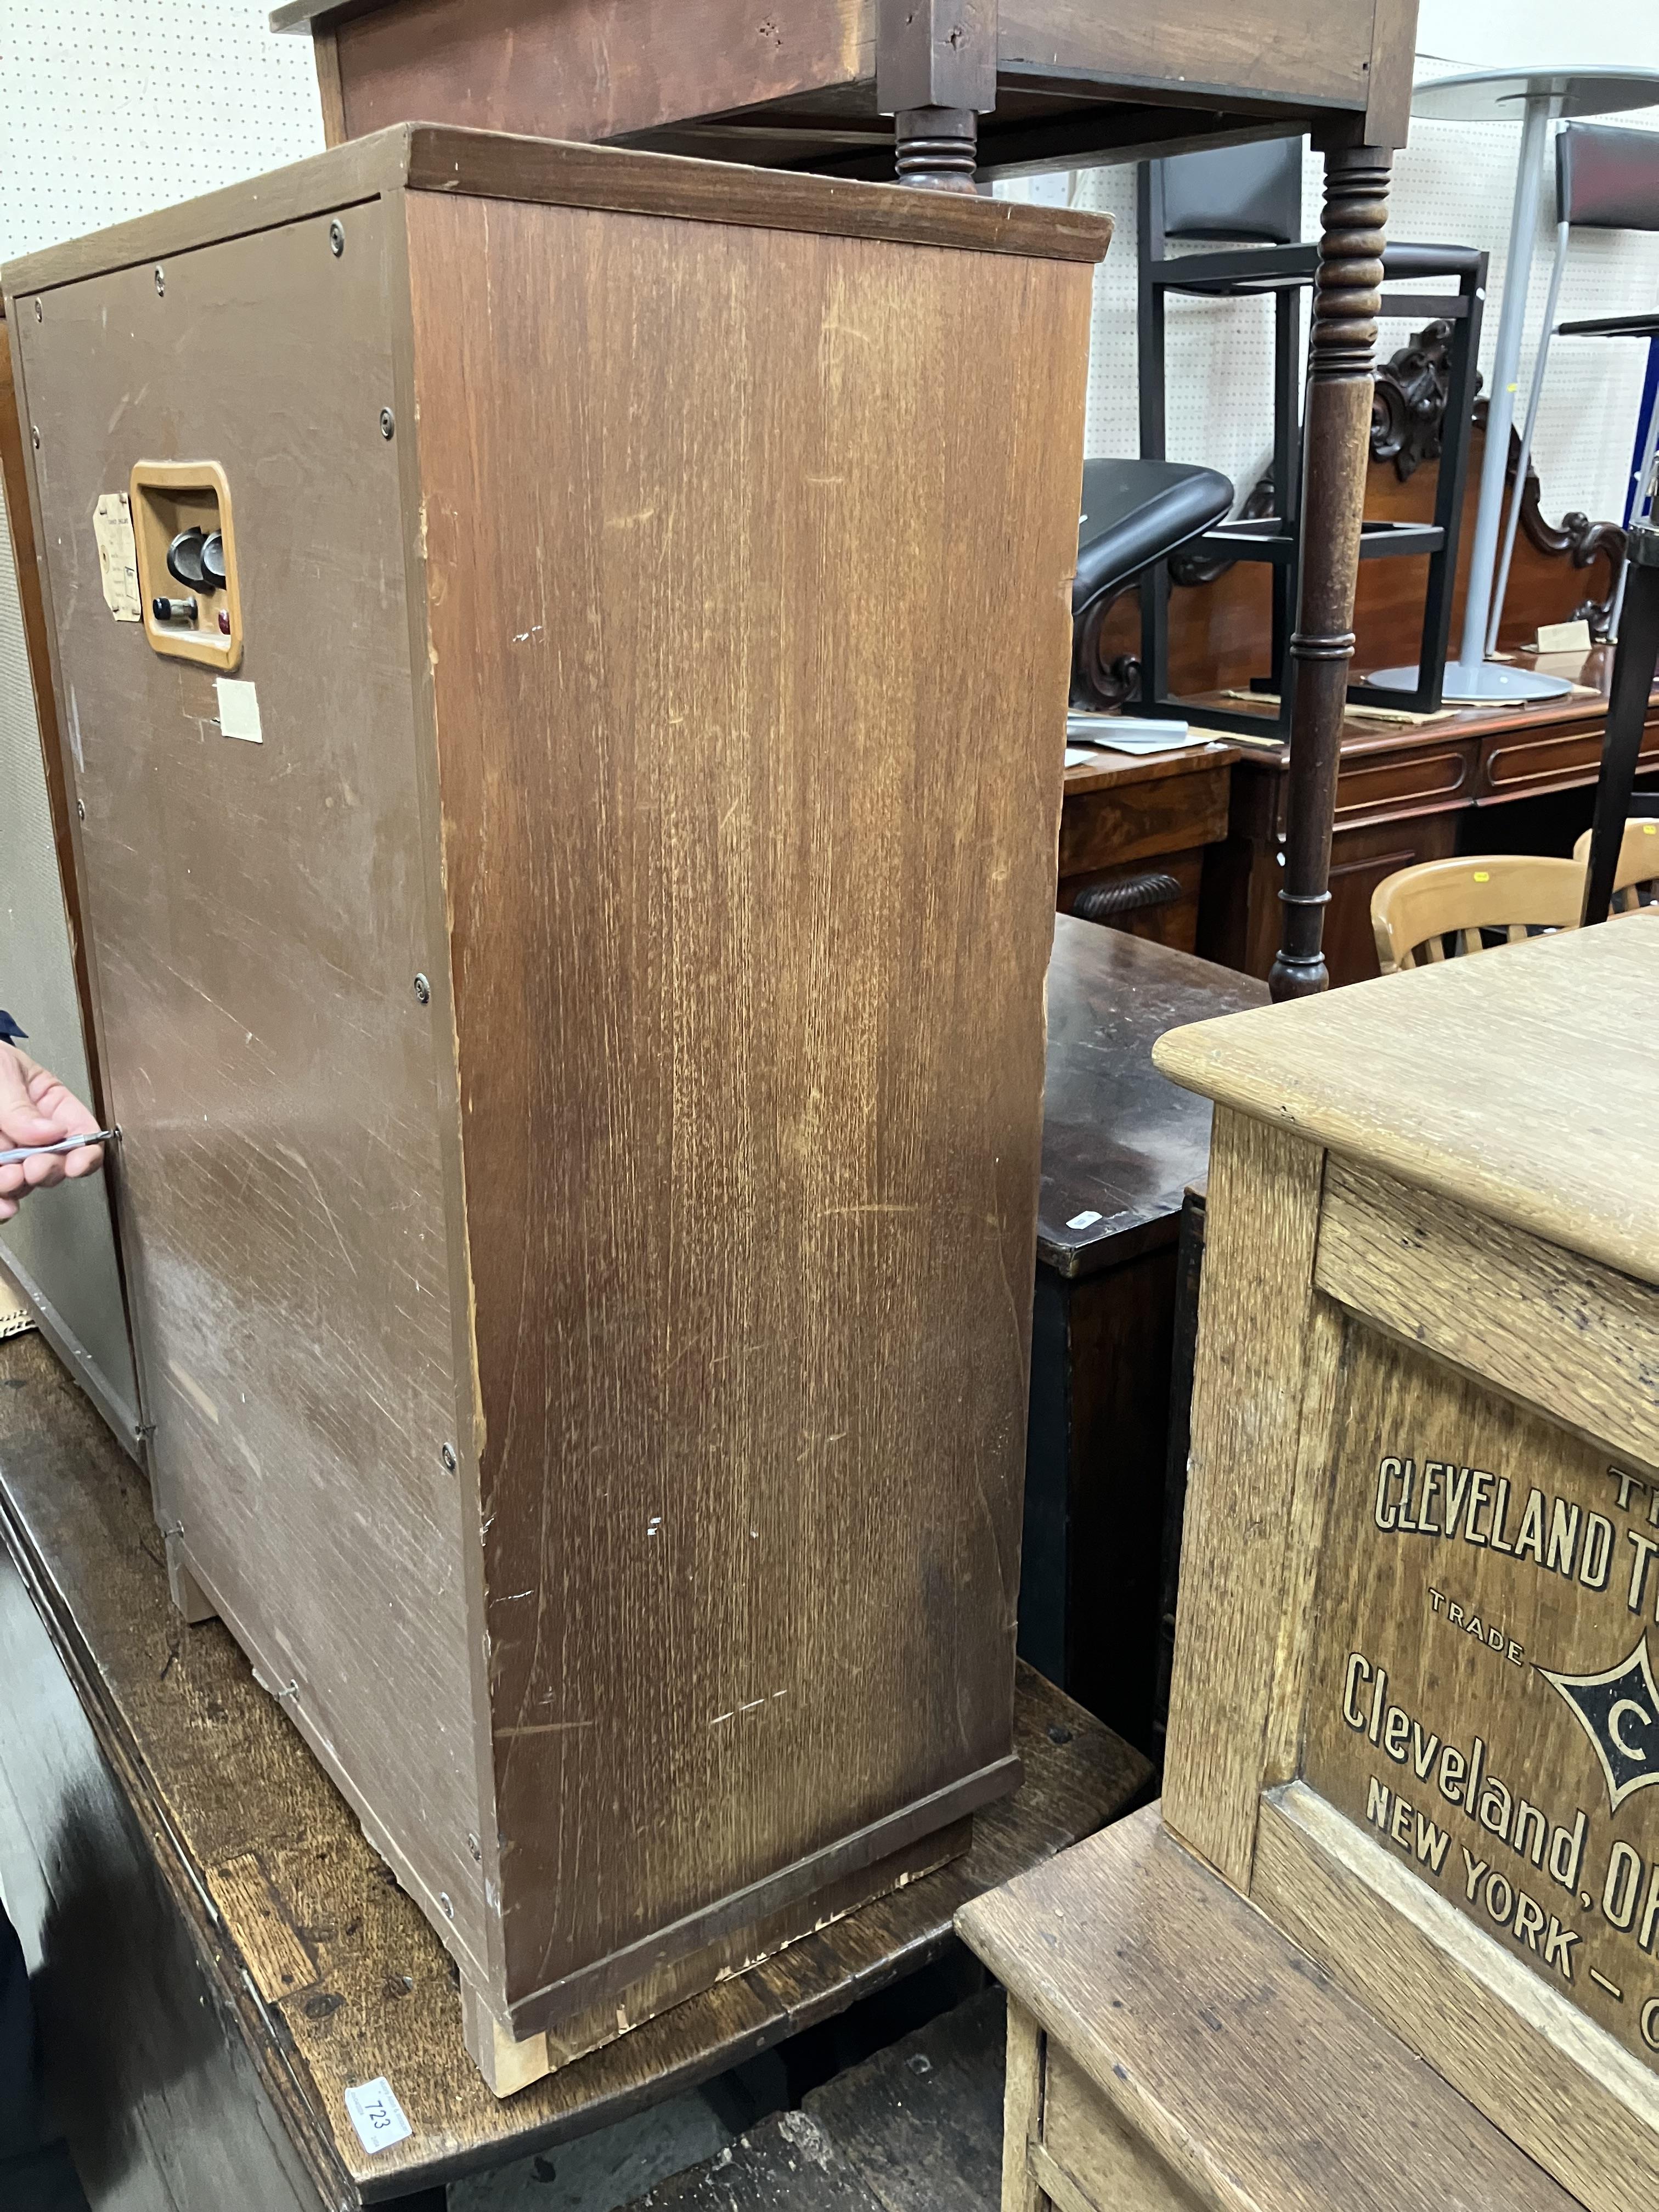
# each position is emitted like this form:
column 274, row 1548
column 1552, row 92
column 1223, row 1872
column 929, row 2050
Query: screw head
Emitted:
column 388, row 424
column 37, row 310
column 423, row 990
column 34, row 438
column 447, row 1456
column 448, row 1909
column 160, row 279
column 472, row 1845
column 337, row 239
column 80, row 809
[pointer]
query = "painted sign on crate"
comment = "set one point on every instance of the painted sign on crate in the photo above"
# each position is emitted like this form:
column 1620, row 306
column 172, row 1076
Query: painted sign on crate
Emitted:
column 1485, row 1693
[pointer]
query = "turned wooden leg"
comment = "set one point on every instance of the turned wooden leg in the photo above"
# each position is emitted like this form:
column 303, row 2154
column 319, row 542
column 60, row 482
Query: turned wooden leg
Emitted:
column 938, row 148
column 936, row 75
column 1336, row 442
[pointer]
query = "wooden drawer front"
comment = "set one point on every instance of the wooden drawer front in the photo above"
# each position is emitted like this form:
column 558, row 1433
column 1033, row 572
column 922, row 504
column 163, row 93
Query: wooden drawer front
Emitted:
column 1099, row 829
column 1403, row 782
column 1516, row 765
column 1088, row 2160
column 1171, row 921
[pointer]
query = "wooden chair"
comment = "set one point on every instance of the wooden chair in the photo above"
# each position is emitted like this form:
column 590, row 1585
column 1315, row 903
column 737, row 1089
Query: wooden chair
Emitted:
column 1504, row 896
column 1636, row 873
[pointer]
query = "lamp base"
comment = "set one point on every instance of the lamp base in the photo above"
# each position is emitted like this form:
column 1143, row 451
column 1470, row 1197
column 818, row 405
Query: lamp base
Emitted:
column 1478, row 680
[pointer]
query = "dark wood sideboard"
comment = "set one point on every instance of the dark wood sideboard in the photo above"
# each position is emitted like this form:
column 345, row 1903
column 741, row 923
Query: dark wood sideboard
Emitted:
column 1521, row 780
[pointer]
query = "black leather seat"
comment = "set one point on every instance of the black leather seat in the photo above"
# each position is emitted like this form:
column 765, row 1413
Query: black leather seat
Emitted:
column 1134, row 514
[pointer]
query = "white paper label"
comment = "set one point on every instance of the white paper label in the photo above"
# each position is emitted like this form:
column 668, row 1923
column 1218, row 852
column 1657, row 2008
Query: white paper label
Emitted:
column 239, row 710
column 118, row 556
column 376, row 2114
column 1086, row 1220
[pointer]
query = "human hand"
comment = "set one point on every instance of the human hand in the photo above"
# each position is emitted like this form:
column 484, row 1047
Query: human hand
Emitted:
column 36, row 1109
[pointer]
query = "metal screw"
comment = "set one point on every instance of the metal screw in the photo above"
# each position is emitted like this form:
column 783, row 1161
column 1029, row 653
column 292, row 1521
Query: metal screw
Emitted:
column 37, row 310
column 472, row 1845
column 337, row 239
column 387, row 424
column 81, row 808
column 449, row 1910
column 447, row 1456
column 34, row 436
column 160, row 279
column 423, row 990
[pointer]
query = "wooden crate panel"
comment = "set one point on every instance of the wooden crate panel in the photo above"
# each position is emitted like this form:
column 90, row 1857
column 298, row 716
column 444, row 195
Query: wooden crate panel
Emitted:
column 1482, row 1695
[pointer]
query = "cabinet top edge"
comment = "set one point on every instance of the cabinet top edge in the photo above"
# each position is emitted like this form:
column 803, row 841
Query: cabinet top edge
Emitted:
column 430, row 157
column 1519, row 1083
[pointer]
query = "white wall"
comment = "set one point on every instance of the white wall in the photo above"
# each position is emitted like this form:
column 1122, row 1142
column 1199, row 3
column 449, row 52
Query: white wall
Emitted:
column 112, row 108
column 1453, row 184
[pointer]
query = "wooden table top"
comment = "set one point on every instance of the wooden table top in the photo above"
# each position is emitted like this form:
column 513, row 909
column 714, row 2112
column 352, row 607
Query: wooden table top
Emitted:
column 1519, row 1082
column 1109, row 771
column 1364, row 733
column 1120, row 1142
column 335, row 1976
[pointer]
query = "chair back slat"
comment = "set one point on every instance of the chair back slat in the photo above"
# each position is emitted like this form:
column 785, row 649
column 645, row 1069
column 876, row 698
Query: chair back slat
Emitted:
column 1505, row 895
column 1636, row 873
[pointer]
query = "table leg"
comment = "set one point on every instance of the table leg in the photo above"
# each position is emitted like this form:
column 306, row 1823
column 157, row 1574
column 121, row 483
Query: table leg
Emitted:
column 936, row 75
column 1633, row 667
column 937, row 147
column 1336, row 446
column 1472, row 676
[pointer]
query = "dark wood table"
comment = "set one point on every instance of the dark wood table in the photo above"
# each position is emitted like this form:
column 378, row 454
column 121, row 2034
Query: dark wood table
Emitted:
column 225, row 1955
column 1479, row 781
column 1008, row 85
column 1146, row 826
column 1120, row 1144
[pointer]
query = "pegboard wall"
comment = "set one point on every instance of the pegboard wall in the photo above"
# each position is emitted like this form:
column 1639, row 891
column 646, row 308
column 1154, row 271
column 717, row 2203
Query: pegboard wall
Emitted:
column 1453, row 184
column 112, row 108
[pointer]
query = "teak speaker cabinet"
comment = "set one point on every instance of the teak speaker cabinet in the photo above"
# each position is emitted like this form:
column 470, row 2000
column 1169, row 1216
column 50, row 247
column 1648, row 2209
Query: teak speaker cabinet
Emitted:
column 579, row 1158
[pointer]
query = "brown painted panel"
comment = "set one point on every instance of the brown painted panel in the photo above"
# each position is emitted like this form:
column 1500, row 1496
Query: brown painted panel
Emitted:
column 591, row 68
column 256, row 913
column 749, row 1013
column 1483, row 1569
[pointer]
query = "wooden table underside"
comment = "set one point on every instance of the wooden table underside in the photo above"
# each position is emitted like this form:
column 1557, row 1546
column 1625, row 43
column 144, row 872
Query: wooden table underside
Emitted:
column 809, row 83
column 333, row 1976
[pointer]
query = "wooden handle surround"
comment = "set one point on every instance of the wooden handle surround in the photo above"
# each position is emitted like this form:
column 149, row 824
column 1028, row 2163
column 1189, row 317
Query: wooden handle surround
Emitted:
column 1347, row 295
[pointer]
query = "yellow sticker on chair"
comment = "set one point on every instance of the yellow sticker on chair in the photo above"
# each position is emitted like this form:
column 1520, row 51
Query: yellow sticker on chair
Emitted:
column 1483, row 875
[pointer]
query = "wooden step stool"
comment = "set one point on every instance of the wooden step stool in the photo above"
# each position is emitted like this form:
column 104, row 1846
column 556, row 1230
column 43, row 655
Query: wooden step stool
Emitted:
column 1169, row 2049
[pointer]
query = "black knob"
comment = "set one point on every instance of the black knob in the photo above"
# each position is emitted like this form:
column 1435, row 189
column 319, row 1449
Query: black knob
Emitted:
column 185, row 559
column 172, row 611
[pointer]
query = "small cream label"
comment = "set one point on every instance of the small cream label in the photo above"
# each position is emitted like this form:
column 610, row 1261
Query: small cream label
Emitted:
column 118, row 556
column 239, row 710
column 375, row 2112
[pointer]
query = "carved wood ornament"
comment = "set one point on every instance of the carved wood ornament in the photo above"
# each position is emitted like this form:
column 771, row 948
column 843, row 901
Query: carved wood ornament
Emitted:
column 1409, row 409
